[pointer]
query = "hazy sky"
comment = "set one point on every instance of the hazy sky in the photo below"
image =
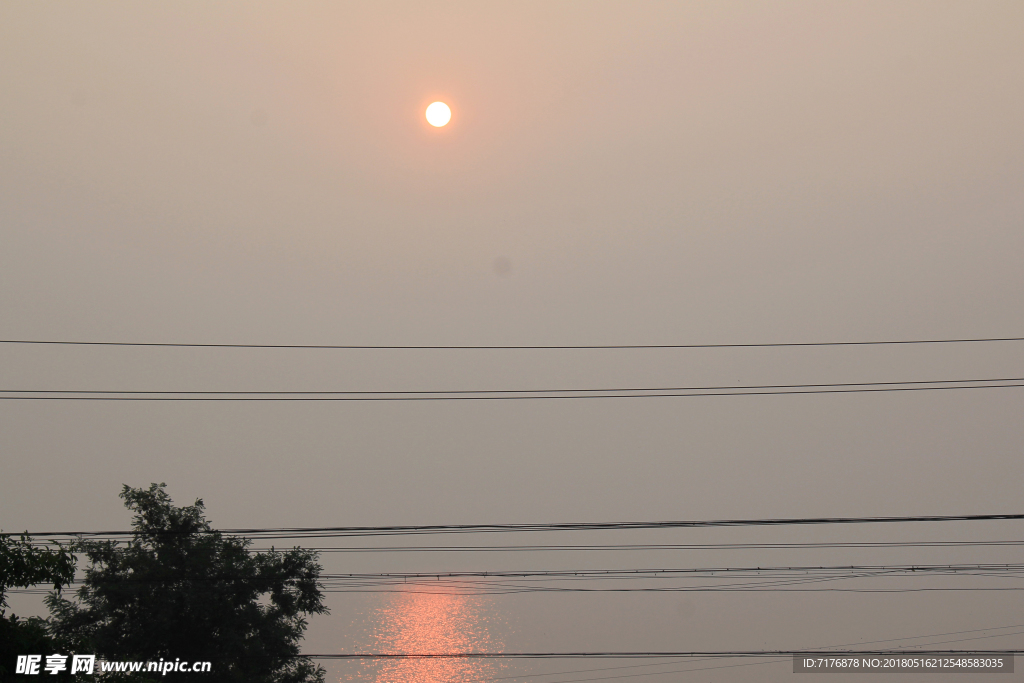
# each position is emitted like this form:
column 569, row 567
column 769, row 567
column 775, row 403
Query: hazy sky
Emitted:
column 634, row 173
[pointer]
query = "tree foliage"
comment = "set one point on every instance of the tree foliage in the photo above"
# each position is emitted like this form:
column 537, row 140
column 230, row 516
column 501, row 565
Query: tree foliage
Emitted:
column 22, row 564
column 181, row 590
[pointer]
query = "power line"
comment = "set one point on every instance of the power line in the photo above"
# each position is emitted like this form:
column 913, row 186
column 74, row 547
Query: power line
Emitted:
column 483, row 347
column 775, row 579
column 307, row 398
column 659, row 546
column 404, row 530
column 687, row 670
column 724, row 580
column 902, row 652
column 645, row 573
column 771, row 577
column 670, row 663
column 660, row 655
column 648, row 673
column 618, row 574
column 607, row 668
column 633, row 547
column 682, row 589
column 511, row 392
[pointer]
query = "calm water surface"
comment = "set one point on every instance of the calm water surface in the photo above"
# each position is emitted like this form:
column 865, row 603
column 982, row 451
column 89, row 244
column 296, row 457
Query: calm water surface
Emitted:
column 428, row 623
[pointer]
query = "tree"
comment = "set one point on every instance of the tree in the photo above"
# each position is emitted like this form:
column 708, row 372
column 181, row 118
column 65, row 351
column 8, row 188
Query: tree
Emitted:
column 22, row 564
column 181, row 590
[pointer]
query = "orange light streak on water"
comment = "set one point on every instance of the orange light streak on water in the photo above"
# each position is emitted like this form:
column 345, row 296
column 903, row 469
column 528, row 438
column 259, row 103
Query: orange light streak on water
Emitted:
column 426, row 623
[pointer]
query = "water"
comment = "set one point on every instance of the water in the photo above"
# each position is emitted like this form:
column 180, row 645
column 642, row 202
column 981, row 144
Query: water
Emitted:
column 431, row 623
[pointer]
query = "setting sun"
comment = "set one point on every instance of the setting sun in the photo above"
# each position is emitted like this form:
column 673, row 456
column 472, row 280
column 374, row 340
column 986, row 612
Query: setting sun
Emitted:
column 438, row 114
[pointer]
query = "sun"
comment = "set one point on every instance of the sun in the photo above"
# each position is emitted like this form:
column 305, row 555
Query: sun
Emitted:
column 438, row 114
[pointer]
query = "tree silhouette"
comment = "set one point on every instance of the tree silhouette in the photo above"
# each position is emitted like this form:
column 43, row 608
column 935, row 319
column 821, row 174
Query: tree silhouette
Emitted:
column 181, row 590
column 22, row 564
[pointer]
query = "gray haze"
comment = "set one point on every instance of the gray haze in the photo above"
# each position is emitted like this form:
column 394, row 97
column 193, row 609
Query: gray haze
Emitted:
column 635, row 173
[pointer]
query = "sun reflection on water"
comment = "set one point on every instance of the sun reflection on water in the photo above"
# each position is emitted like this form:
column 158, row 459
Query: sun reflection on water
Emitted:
column 429, row 623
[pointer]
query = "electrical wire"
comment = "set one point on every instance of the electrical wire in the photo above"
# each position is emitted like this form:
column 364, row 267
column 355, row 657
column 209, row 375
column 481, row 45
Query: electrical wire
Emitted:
column 901, row 651
column 132, row 392
column 670, row 663
column 658, row 655
column 411, row 530
column 513, row 582
column 666, row 546
column 654, row 393
column 484, row 347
